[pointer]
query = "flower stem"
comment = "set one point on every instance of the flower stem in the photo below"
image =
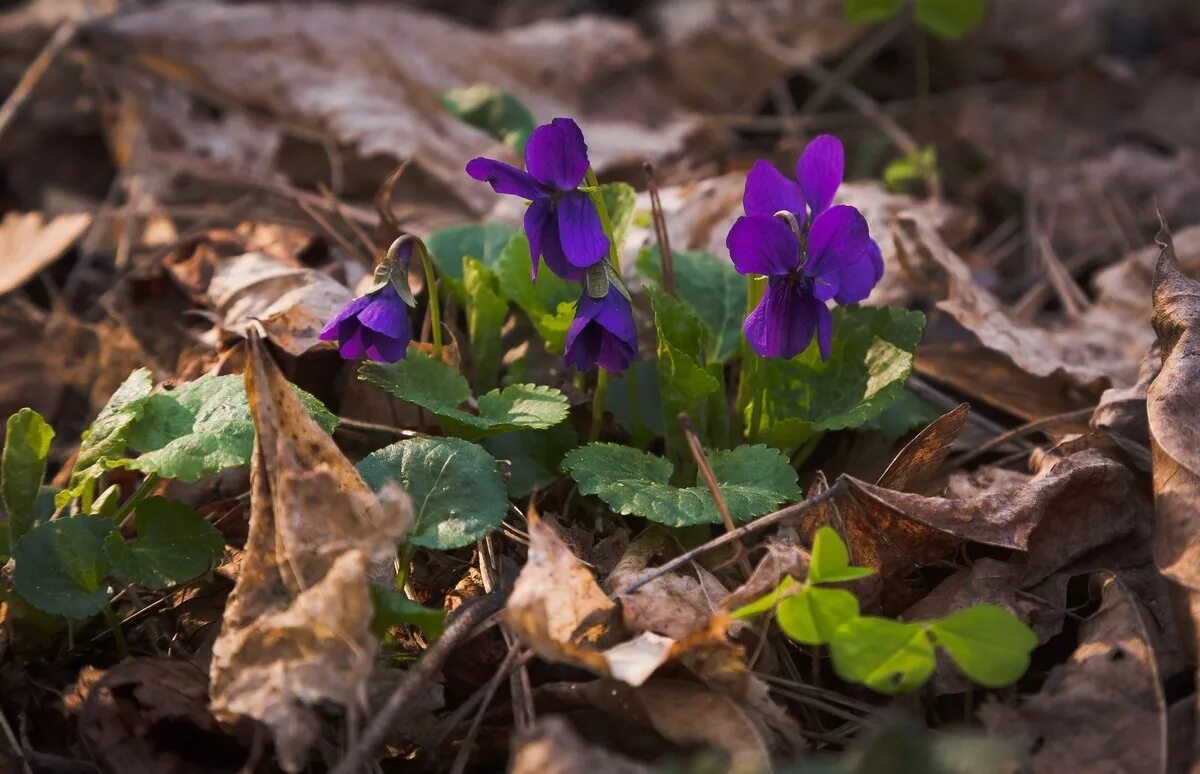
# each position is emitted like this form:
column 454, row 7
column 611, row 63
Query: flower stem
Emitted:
column 435, row 309
column 404, row 565
column 598, row 405
column 747, row 384
column 115, row 625
column 123, row 514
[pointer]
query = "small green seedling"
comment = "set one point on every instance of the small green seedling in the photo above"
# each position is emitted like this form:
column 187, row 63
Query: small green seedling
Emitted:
column 950, row 19
column 987, row 642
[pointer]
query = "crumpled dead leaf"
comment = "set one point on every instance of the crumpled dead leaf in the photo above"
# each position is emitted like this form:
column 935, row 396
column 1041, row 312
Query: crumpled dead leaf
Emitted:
column 291, row 304
column 1104, row 710
column 551, row 746
column 30, row 243
column 370, row 77
column 149, row 714
column 296, row 630
column 1172, row 404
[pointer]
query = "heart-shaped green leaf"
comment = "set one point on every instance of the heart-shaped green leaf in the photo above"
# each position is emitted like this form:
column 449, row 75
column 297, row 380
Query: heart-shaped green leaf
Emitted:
column 753, row 480
column 989, row 644
column 61, row 566
column 455, row 487
column 174, row 544
column 812, row 616
column 830, row 560
column 889, row 656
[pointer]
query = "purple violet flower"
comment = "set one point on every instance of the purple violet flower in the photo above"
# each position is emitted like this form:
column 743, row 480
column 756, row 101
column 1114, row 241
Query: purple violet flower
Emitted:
column 810, row 252
column 562, row 224
column 603, row 333
column 375, row 324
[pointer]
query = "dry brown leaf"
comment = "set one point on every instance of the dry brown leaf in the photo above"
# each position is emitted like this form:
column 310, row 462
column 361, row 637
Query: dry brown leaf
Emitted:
column 370, row 76
column 290, row 304
column 1104, row 709
column 296, row 631
column 28, row 244
column 551, row 746
column 1121, row 413
column 1075, row 508
column 1091, row 351
column 688, row 714
column 784, row 556
column 149, row 714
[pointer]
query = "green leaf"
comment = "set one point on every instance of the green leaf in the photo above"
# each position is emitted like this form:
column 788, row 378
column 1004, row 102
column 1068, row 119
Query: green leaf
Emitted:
column 486, row 312
column 813, row 615
column 712, row 288
column 485, row 107
column 753, row 480
column 910, row 168
column 440, row 388
column 618, row 400
column 61, row 566
column 871, row 357
column 107, row 502
column 864, row 11
column 455, row 487
column 889, row 656
column 909, row 412
column 684, row 381
column 105, row 440
column 201, row 428
column 22, row 467
column 549, row 304
column 534, row 456
column 989, row 644
column 766, row 601
column 830, row 560
column 951, row 19
column 393, row 608
column 449, row 247
column 620, row 199
column 174, row 544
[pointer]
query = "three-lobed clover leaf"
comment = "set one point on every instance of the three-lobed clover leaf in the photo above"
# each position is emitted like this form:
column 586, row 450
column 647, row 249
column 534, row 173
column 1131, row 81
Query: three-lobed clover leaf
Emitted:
column 753, row 479
column 456, row 489
column 441, row 389
column 174, row 544
column 27, row 440
column 61, row 566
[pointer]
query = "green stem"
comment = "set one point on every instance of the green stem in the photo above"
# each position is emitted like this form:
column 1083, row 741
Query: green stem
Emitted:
column 435, row 309
column 747, row 383
column 114, row 624
column 598, row 405
column 123, row 514
column 760, row 397
column 406, row 560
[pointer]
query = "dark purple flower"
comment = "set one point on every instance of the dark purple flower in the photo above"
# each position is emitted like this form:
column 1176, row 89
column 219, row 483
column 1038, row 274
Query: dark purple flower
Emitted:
column 376, row 325
column 810, row 252
column 603, row 333
column 562, row 224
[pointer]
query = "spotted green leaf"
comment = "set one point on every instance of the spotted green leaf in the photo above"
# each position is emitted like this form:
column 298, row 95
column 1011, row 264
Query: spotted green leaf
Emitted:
column 885, row 655
column 455, row 487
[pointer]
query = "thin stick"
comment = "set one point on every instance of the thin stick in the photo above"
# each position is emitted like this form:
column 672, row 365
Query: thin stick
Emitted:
column 33, row 74
column 761, row 523
column 1019, row 432
column 853, row 62
column 665, row 257
column 714, row 489
column 426, row 667
column 16, row 746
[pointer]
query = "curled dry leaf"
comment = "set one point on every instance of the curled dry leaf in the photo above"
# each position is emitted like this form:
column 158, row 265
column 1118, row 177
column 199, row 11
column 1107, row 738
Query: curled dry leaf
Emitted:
column 1102, row 711
column 1121, row 413
column 1088, row 352
column 551, row 746
column 290, row 304
column 784, row 555
column 296, row 631
column 30, row 243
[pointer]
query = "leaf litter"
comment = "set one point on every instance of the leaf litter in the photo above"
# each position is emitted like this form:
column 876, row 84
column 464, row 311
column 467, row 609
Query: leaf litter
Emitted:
column 229, row 550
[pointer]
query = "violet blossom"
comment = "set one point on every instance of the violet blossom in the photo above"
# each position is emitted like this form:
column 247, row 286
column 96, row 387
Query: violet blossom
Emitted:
column 603, row 332
column 375, row 324
column 561, row 224
column 810, row 252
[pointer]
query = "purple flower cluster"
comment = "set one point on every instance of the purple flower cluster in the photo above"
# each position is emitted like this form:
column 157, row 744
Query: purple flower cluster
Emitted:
column 564, row 230
column 809, row 251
